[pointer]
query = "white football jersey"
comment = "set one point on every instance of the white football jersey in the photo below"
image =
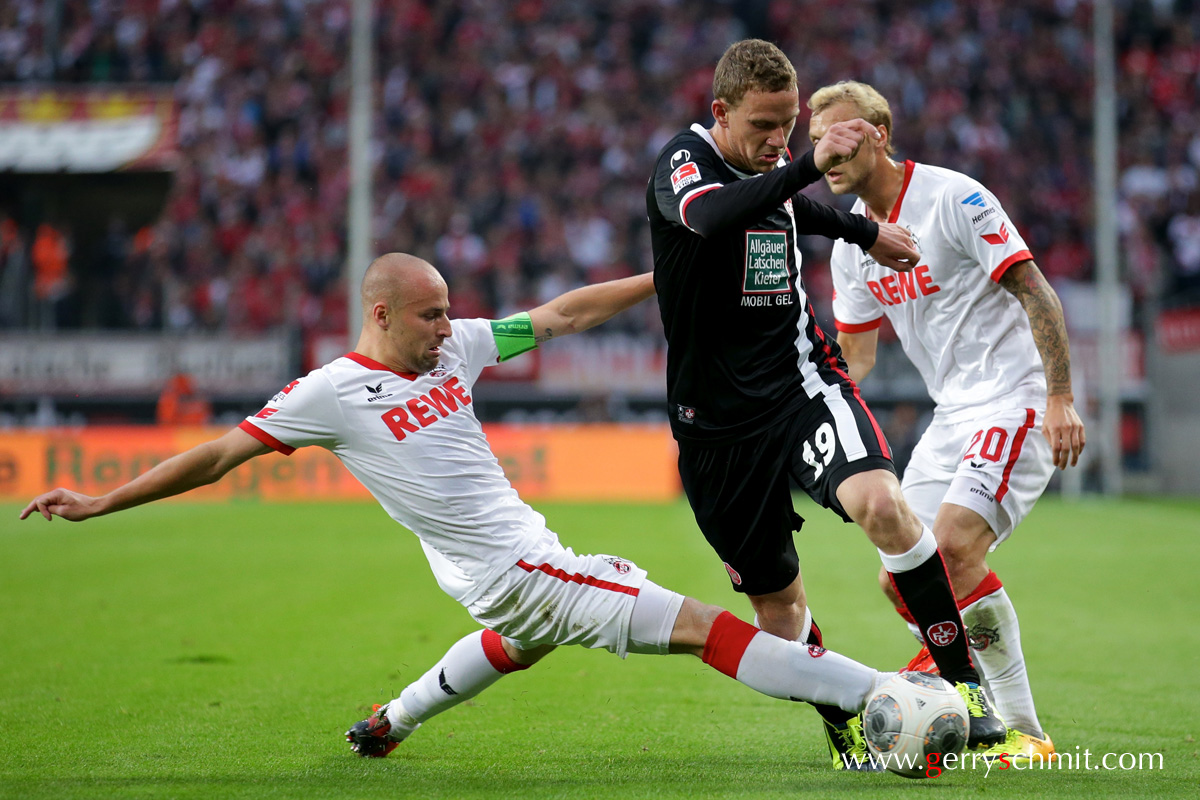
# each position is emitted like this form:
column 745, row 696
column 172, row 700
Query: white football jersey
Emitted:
column 969, row 337
column 415, row 443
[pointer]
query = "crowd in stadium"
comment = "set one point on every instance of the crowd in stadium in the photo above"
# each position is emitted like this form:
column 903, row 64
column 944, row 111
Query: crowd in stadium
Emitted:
column 514, row 140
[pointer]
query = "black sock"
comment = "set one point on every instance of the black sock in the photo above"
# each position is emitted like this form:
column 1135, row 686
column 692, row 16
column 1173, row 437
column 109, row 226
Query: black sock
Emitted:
column 925, row 591
column 834, row 715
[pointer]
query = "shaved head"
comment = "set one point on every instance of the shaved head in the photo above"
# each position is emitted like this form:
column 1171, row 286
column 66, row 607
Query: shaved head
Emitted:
column 404, row 302
column 394, row 278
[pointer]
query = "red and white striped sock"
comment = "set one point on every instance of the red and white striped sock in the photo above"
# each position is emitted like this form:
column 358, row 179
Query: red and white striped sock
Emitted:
column 474, row 663
column 787, row 670
column 995, row 637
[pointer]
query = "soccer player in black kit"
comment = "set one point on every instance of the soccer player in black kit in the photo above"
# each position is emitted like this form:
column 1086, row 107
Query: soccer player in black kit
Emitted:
column 756, row 390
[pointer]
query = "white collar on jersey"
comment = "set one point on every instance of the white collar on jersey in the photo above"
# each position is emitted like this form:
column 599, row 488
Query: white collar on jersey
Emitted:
column 703, row 133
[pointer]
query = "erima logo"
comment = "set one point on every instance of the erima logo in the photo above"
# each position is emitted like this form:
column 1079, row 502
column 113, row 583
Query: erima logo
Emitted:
column 975, row 200
column 375, row 392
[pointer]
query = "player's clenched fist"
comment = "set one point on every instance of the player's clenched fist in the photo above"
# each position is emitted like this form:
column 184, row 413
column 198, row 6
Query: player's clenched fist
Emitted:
column 63, row 503
column 841, row 142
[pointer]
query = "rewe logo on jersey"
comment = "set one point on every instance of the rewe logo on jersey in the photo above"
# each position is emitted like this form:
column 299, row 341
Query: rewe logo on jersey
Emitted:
column 900, row 287
column 418, row 412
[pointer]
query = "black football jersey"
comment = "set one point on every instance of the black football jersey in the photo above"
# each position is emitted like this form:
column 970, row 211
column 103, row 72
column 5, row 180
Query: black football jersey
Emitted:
column 743, row 347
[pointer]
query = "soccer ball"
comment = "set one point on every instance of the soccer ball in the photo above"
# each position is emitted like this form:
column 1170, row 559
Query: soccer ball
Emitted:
column 912, row 721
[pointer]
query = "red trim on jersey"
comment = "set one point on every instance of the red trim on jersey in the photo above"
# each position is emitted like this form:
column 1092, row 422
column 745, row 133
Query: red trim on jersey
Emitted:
column 903, row 609
column 583, row 580
column 987, row 586
column 1013, row 454
column 857, row 327
column 493, row 650
column 727, row 642
column 683, row 208
column 370, row 363
column 908, row 171
column 1015, row 258
column 266, row 438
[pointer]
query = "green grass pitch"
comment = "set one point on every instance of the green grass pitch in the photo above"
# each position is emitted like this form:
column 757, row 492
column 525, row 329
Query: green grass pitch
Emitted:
column 184, row 650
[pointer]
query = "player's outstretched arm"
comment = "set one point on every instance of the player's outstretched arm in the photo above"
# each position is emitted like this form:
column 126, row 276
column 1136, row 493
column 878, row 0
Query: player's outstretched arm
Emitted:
column 588, row 306
column 1062, row 426
column 202, row 465
column 859, row 351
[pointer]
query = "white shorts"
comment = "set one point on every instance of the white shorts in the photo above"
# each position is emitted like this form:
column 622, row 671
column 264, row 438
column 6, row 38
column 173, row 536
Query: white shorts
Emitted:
column 996, row 464
column 553, row 596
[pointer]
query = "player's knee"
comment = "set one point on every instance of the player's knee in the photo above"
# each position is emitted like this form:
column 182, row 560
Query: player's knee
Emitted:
column 528, row 657
column 882, row 508
column 960, row 558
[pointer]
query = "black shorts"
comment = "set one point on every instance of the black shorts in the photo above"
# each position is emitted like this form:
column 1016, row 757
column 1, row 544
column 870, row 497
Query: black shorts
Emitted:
column 741, row 495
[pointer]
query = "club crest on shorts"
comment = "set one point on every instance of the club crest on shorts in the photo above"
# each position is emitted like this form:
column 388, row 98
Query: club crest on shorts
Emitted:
column 733, row 575
column 942, row 633
column 617, row 564
column 982, row 637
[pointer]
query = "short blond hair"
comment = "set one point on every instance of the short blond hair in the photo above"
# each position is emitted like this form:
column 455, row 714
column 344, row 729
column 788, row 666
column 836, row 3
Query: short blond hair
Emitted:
column 871, row 105
column 749, row 65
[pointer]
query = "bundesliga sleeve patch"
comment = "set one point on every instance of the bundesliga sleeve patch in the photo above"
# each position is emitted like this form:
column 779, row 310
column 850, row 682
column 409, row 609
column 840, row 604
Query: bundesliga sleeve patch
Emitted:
column 513, row 335
column 685, row 175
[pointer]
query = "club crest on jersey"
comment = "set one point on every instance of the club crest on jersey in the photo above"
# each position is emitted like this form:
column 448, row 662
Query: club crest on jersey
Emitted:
column 680, row 156
column 977, row 208
column 620, row 566
column 685, row 414
column 816, row 651
column 685, row 175
column 942, row 633
column 438, row 372
column 766, row 269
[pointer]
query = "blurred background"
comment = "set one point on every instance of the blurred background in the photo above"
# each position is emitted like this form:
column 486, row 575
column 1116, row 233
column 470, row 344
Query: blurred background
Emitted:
column 175, row 178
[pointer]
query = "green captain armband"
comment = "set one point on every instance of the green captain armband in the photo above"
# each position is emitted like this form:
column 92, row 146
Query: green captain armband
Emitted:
column 513, row 335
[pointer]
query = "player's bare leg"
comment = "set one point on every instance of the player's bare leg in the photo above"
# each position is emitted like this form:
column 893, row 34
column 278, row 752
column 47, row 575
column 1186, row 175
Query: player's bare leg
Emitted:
column 783, row 613
column 910, row 555
column 964, row 538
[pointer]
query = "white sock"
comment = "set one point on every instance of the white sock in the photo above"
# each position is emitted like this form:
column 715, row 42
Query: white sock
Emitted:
column 995, row 635
column 795, row 671
column 474, row 663
column 787, row 670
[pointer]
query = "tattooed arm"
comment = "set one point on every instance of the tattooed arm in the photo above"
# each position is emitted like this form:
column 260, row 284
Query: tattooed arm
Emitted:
column 588, row 306
column 1062, row 427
